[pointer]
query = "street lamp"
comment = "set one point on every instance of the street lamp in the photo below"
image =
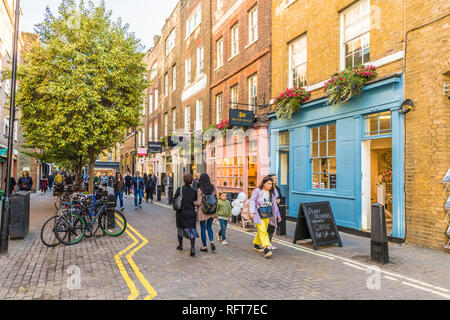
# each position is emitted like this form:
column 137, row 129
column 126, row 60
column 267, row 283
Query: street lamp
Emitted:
column 6, row 206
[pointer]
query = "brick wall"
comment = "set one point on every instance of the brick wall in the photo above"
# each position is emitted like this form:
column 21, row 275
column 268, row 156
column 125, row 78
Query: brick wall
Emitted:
column 252, row 59
column 427, row 129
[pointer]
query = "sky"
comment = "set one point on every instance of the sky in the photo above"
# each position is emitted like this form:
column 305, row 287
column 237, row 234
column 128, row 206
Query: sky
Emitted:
column 146, row 17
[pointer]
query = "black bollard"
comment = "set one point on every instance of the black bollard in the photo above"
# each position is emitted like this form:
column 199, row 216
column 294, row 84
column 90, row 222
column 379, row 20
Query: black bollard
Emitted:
column 378, row 239
column 158, row 193
column 281, row 230
column 170, row 194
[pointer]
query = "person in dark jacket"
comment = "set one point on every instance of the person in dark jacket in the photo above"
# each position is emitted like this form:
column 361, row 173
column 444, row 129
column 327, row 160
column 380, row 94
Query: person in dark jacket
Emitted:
column 25, row 182
column 12, row 184
column 119, row 185
column 149, row 188
column 128, row 182
column 138, row 185
column 186, row 218
column 51, row 179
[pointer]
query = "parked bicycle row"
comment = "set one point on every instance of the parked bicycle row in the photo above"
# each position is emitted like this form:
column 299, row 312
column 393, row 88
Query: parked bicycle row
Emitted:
column 80, row 215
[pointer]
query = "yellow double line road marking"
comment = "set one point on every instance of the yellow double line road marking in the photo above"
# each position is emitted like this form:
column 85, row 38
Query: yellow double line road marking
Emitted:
column 134, row 292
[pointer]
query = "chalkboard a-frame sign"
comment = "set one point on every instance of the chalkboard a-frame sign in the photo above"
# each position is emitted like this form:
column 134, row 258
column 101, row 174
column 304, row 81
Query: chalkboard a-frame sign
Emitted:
column 316, row 222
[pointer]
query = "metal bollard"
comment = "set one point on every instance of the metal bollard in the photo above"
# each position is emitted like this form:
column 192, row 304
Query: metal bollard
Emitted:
column 378, row 240
column 158, row 193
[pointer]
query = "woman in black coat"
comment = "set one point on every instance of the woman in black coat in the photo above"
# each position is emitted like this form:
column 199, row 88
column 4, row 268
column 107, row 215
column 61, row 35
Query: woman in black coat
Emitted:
column 186, row 218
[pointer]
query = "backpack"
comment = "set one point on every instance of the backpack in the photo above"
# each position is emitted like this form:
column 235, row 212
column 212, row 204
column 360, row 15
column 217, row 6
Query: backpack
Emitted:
column 210, row 203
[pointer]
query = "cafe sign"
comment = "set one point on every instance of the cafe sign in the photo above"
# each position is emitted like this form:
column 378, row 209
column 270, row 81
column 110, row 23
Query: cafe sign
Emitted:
column 241, row 118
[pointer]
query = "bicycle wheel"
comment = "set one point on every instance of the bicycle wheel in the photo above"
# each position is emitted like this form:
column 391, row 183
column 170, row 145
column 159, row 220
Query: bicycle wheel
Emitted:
column 113, row 223
column 69, row 229
column 48, row 236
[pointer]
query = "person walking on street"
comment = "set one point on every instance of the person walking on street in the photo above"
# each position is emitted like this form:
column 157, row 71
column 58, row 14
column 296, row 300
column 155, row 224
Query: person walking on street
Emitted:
column 273, row 223
column 43, row 184
column 119, row 185
column 195, row 183
column 51, row 179
column 186, row 218
column 138, row 185
column 262, row 207
column 128, row 182
column 224, row 215
column 149, row 188
column 207, row 207
column 25, row 182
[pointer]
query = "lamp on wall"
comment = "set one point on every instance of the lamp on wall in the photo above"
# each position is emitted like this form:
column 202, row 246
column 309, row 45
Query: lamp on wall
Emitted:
column 407, row 106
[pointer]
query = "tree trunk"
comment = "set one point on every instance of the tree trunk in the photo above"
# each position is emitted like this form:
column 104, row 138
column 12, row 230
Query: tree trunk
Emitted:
column 91, row 173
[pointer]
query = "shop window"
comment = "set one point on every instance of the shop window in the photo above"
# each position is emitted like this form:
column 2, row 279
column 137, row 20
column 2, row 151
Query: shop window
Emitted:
column 298, row 62
column 230, row 172
column 323, row 157
column 377, row 124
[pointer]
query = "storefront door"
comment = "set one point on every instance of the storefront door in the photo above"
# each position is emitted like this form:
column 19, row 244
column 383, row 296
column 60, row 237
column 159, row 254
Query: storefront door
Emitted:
column 283, row 175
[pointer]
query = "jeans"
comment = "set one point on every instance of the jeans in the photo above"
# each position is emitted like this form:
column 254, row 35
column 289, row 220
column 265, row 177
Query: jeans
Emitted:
column 120, row 195
column 223, row 228
column 137, row 192
column 127, row 189
column 262, row 237
column 207, row 225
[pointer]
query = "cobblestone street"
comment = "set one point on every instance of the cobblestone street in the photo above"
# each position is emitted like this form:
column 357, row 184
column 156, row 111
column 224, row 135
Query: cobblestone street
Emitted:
column 143, row 264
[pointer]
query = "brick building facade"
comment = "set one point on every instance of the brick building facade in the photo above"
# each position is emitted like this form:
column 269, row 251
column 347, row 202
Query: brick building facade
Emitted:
column 315, row 40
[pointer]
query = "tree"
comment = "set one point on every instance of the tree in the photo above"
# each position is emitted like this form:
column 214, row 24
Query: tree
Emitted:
column 82, row 86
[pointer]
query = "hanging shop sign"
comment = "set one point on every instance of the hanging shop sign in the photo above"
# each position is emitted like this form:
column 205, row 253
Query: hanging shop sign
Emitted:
column 241, row 118
column 316, row 222
column 141, row 151
column 155, row 147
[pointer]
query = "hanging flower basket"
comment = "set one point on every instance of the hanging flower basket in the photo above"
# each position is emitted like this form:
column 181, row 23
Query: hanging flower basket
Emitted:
column 348, row 83
column 290, row 101
column 225, row 124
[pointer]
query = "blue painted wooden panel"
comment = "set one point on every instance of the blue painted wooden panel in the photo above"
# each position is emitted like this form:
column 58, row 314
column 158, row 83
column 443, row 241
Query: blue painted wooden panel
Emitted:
column 345, row 156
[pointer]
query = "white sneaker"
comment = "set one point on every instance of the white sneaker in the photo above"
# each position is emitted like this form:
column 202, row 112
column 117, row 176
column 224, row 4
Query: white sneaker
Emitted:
column 224, row 242
column 272, row 247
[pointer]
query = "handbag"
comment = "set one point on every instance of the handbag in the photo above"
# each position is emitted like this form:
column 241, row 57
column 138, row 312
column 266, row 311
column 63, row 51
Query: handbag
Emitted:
column 178, row 202
column 266, row 212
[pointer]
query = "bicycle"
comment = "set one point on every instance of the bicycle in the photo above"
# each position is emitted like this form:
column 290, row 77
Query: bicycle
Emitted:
column 74, row 224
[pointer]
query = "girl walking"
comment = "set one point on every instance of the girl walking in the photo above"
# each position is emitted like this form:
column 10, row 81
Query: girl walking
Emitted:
column 263, row 206
column 207, row 207
column 224, row 215
column 186, row 217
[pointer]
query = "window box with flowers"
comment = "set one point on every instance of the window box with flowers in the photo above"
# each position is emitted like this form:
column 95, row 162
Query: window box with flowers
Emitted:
column 348, row 83
column 289, row 102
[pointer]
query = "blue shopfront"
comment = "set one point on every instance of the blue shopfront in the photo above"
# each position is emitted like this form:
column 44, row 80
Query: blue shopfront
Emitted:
column 351, row 156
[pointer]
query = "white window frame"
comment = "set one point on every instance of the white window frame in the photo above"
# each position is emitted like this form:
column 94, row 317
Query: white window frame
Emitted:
column 187, row 118
column 234, row 96
column 15, row 130
column 200, row 61
column 143, row 106
column 156, row 130
column 150, row 132
column 253, row 25
column 198, row 115
column 187, row 72
column 252, row 91
column 156, row 99
column 170, row 41
column 234, row 40
column 302, row 66
column 166, row 84
column 219, row 107
column 219, row 5
column 219, row 44
column 363, row 34
column 194, row 20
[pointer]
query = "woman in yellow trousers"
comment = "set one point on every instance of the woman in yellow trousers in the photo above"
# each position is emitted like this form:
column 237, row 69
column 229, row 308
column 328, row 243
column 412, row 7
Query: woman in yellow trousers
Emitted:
column 263, row 206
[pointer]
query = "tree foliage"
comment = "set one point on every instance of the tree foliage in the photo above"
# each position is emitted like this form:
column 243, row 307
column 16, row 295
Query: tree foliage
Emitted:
column 82, row 86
